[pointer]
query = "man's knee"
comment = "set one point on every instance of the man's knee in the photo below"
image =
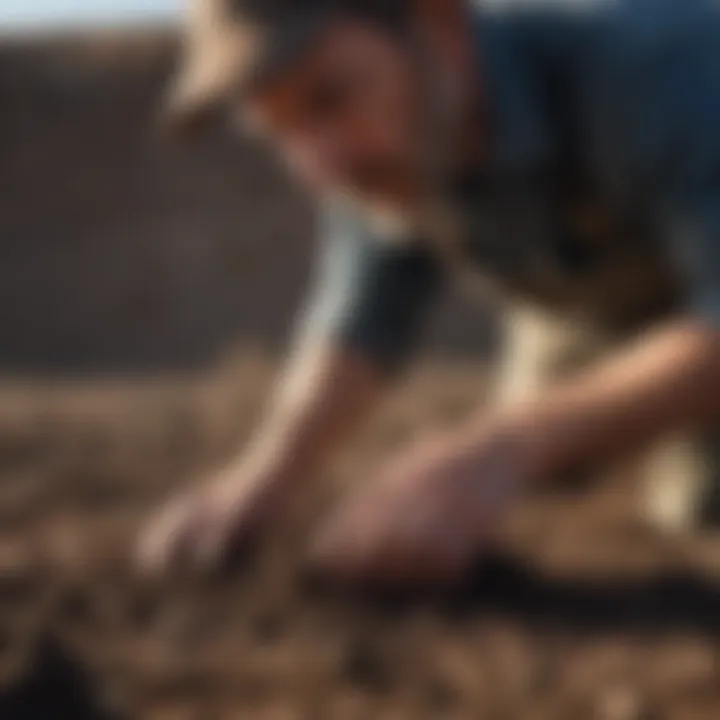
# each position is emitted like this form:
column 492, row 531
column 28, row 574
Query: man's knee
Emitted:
column 542, row 348
column 682, row 484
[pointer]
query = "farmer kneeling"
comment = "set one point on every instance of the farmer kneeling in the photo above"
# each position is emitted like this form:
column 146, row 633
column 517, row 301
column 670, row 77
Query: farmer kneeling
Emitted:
column 566, row 153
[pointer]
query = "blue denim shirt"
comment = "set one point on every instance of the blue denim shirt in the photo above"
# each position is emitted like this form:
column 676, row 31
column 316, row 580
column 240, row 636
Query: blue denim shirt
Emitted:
column 603, row 109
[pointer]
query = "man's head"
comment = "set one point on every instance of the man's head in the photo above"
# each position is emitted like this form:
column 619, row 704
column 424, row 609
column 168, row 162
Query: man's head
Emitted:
column 358, row 95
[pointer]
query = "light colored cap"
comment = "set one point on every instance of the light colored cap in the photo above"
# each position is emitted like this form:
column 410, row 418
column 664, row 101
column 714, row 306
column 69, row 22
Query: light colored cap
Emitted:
column 223, row 52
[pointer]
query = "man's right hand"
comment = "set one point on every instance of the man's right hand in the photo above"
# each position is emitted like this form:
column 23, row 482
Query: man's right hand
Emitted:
column 322, row 398
column 206, row 527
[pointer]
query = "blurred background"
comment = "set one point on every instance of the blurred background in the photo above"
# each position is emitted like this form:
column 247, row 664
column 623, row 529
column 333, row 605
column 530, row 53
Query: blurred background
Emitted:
column 146, row 294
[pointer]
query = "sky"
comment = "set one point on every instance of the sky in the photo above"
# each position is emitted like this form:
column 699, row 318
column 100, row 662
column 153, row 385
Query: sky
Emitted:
column 62, row 13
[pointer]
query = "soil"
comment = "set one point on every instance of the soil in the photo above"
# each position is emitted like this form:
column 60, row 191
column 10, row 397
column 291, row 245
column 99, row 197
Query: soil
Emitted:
column 580, row 612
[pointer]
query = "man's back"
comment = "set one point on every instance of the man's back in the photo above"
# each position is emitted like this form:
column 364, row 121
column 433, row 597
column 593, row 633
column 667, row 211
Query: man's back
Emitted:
column 604, row 116
column 639, row 80
column 610, row 105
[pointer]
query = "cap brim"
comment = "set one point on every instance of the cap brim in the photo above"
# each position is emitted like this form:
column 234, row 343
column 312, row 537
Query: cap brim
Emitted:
column 185, row 116
column 205, row 87
column 199, row 94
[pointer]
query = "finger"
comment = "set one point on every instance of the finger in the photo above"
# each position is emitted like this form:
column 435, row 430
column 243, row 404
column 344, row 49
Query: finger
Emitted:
column 432, row 549
column 207, row 548
column 331, row 548
column 161, row 544
column 363, row 549
column 401, row 554
column 235, row 526
column 226, row 535
column 346, row 544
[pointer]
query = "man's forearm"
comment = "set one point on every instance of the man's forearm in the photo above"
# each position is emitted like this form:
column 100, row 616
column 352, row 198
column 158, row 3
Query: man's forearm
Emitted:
column 666, row 382
column 325, row 394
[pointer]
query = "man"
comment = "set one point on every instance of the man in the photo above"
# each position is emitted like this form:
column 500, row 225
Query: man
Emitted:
column 566, row 152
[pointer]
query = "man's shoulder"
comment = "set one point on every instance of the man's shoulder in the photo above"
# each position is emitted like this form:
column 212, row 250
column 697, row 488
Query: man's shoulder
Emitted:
column 601, row 25
column 349, row 246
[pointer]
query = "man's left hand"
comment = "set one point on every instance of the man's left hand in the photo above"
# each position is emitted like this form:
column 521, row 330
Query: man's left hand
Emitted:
column 426, row 515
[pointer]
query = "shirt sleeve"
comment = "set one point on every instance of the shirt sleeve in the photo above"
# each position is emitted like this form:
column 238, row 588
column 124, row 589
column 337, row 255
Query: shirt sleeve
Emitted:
column 370, row 297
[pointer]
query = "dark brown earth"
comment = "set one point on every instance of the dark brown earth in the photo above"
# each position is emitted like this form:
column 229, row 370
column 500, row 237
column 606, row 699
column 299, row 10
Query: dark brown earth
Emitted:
column 124, row 258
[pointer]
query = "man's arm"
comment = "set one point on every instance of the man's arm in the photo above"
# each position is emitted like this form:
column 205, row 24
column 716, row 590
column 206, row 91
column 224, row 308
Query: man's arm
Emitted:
column 424, row 516
column 325, row 393
column 666, row 382
column 361, row 325
column 359, row 329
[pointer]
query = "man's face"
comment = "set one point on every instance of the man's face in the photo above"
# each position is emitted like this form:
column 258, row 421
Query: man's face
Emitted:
column 353, row 114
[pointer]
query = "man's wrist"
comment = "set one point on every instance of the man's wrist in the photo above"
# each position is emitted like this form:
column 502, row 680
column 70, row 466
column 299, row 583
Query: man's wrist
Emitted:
column 534, row 442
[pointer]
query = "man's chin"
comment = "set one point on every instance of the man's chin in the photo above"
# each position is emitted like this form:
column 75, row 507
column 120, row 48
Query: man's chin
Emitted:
column 394, row 225
column 392, row 221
